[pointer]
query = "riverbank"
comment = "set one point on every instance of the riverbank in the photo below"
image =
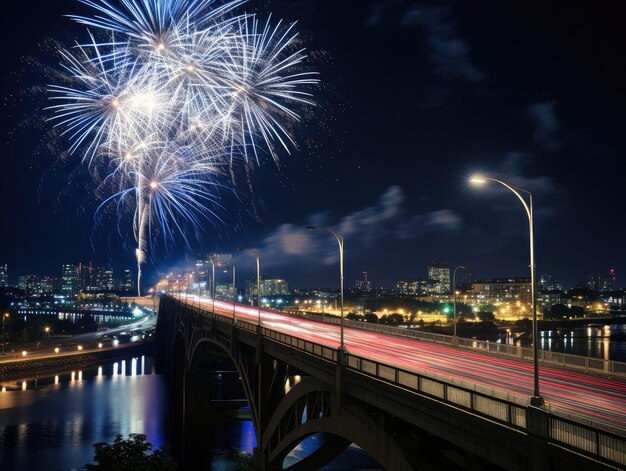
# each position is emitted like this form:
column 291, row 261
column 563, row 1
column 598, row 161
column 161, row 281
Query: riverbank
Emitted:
column 487, row 330
column 16, row 368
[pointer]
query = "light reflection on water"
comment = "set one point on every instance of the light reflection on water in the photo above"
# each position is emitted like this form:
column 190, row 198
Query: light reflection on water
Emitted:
column 52, row 423
column 597, row 341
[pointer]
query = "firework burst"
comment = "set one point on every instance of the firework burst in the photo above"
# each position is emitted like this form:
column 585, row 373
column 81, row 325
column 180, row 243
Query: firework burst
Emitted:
column 176, row 91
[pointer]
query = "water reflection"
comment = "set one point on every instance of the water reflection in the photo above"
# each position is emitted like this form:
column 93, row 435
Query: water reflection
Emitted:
column 597, row 341
column 52, row 423
column 352, row 458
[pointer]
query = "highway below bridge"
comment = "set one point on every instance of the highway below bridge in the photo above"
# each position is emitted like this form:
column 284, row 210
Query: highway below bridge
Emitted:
column 395, row 396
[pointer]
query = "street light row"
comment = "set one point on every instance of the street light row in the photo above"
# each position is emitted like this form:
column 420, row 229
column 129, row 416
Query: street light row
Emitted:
column 536, row 399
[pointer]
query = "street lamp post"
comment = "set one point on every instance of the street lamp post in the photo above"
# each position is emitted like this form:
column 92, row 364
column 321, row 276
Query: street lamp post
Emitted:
column 258, row 280
column 4, row 340
column 234, row 295
column 212, row 260
column 339, row 238
column 454, row 294
column 536, row 400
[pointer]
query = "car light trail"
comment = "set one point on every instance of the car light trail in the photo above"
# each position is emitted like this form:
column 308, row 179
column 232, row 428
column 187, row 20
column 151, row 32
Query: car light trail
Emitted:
column 597, row 398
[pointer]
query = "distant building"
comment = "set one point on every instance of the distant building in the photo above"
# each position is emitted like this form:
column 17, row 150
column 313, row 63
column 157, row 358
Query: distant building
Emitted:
column 414, row 287
column 439, row 278
column 269, row 287
column 30, row 284
column 204, row 268
column 364, row 284
column 70, row 282
column 45, row 285
column 203, row 271
column 549, row 283
column 549, row 298
column 600, row 283
column 38, row 285
column 502, row 290
column 104, row 279
column 225, row 291
column 4, row 276
column 127, row 282
column 615, row 299
column 86, row 278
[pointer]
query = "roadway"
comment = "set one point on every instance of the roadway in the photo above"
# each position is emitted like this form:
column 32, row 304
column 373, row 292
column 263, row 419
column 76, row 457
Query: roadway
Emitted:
column 595, row 397
column 89, row 342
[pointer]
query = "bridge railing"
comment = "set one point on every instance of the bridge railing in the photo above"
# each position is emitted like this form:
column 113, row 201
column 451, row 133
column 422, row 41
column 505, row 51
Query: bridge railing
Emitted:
column 574, row 432
column 584, row 363
column 508, row 408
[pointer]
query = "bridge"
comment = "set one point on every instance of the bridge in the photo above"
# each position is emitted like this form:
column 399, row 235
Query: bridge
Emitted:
column 410, row 403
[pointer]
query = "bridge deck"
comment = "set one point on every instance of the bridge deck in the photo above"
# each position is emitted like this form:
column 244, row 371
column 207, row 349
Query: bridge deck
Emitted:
column 601, row 400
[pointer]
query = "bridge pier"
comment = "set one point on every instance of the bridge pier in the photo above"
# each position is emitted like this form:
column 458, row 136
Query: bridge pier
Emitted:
column 339, row 379
column 537, row 423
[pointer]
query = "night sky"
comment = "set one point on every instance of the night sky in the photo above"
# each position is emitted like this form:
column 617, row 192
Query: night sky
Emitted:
column 415, row 97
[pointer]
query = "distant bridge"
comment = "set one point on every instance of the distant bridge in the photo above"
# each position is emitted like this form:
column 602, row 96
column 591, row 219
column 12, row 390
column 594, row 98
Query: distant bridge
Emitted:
column 399, row 399
column 64, row 313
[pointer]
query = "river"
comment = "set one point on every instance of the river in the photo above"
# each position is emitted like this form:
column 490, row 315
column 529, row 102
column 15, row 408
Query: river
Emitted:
column 606, row 341
column 52, row 423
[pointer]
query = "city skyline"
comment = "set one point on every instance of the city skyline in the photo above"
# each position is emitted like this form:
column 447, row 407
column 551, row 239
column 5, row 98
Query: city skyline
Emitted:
column 595, row 281
column 395, row 184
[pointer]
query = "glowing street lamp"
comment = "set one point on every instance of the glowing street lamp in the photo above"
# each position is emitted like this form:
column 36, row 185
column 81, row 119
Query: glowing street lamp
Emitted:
column 479, row 180
column 212, row 259
column 339, row 238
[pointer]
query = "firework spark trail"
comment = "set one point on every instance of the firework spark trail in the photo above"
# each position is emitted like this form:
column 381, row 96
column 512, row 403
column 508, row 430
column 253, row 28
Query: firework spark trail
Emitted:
column 176, row 91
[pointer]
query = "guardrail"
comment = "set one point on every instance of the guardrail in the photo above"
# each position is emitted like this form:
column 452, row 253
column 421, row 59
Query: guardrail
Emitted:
column 588, row 364
column 510, row 409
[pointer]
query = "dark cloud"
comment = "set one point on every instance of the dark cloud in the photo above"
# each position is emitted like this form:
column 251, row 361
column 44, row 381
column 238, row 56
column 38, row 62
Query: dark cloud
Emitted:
column 544, row 119
column 385, row 219
column 448, row 50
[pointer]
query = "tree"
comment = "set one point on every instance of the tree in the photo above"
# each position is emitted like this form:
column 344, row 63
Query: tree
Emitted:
column 560, row 311
column 371, row 318
column 392, row 319
column 486, row 316
column 464, row 312
column 131, row 454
